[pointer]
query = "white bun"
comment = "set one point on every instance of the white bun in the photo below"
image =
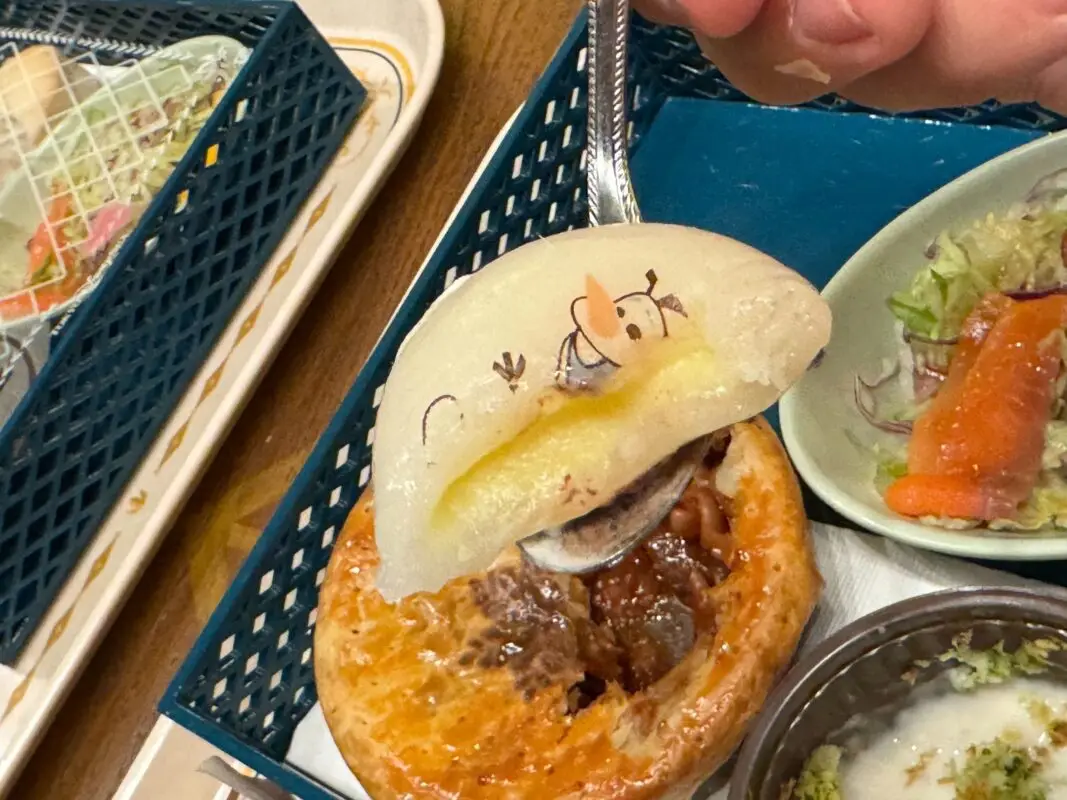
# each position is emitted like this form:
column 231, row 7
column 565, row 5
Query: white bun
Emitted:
column 483, row 366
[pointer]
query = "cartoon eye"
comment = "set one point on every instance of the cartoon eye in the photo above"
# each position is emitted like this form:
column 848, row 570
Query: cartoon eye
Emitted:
column 643, row 318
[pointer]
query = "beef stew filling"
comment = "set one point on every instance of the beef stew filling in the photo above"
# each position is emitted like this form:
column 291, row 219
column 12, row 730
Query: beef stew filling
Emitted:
column 629, row 624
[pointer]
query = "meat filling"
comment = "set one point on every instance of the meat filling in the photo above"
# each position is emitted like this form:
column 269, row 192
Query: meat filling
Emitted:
column 630, row 624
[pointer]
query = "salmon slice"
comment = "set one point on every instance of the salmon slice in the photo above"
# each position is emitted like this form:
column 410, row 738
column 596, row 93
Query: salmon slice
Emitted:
column 950, row 497
column 976, row 453
column 925, row 451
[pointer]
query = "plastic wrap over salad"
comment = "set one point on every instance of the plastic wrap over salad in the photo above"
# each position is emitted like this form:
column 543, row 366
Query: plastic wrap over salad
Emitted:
column 977, row 397
column 65, row 212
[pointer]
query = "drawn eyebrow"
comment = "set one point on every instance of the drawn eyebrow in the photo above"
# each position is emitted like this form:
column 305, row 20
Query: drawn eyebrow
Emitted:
column 429, row 408
column 671, row 302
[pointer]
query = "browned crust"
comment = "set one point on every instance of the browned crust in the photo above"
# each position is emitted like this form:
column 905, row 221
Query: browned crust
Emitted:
column 411, row 721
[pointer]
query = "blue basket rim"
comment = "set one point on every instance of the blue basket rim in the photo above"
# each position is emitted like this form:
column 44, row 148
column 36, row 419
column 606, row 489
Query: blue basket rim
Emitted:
column 170, row 703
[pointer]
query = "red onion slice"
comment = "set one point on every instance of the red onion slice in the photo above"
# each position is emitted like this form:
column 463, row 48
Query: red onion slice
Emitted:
column 870, row 414
column 1036, row 294
column 910, row 337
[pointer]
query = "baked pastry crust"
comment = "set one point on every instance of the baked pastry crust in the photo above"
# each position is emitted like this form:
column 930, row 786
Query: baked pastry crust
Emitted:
column 413, row 718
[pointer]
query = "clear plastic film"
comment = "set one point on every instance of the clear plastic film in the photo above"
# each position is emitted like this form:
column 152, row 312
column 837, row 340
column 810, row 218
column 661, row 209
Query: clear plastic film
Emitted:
column 84, row 147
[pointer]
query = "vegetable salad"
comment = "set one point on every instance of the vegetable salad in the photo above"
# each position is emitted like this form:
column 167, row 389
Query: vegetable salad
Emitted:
column 981, row 356
column 97, row 177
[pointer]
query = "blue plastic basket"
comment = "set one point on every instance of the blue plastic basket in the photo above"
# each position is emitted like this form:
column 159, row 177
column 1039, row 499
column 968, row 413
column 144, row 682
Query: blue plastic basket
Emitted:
column 248, row 680
column 128, row 352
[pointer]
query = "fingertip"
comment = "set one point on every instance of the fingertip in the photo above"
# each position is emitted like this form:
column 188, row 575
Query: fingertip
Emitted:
column 852, row 38
column 1051, row 88
column 898, row 27
column 717, row 19
column 765, row 85
column 662, row 12
column 797, row 50
column 721, row 19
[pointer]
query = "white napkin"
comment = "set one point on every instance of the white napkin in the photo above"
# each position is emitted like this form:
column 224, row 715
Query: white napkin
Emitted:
column 863, row 573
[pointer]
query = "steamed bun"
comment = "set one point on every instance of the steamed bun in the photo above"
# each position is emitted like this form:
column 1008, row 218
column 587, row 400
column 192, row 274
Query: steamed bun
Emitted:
column 536, row 389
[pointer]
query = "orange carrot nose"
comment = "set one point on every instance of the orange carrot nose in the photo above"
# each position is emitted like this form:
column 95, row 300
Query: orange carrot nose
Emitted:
column 603, row 321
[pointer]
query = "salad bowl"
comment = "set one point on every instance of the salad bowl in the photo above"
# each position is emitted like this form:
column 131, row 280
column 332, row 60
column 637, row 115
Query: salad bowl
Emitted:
column 65, row 213
column 839, row 450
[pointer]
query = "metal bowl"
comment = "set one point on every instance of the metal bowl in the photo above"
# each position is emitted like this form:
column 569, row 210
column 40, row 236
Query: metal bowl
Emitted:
column 860, row 669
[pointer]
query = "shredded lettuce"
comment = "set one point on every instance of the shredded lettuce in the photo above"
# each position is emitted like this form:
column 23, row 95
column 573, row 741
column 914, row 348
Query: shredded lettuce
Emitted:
column 999, row 770
column 1047, row 504
column 908, row 412
column 914, row 313
column 1042, row 713
column 820, row 778
column 888, row 468
column 1055, row 445
column 983, row 667
column 997, row 253
column 890, row 462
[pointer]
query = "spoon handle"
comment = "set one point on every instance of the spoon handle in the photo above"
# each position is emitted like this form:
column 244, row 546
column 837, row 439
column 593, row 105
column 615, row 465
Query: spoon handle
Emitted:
column 611, row 194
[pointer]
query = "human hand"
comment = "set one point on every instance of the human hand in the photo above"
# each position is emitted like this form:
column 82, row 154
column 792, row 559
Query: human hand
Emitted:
column 891, row 54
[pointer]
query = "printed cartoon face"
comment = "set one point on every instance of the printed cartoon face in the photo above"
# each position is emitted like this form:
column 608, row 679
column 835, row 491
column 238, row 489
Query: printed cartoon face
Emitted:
column 609, row 330
column 612, row 326
column 606, row 334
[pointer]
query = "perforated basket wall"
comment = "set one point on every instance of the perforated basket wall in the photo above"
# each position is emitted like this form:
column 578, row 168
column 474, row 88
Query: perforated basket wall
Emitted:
column 128, row 352
column 248, row 680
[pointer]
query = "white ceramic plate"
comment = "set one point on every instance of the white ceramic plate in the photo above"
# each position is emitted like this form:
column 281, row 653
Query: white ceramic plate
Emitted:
column 820, row 423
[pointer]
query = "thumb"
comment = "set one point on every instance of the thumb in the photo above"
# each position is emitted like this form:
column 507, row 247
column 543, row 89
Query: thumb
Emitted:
column 712, row 18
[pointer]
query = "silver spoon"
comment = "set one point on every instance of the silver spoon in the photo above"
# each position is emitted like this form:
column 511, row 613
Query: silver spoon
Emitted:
column 607, row 534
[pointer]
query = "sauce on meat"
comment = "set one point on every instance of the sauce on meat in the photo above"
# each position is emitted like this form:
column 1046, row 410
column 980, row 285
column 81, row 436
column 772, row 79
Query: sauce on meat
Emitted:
column 630, row 624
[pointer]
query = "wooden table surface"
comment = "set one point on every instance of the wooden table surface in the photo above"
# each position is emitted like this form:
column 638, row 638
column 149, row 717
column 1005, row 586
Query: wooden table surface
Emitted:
column 494, row 52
